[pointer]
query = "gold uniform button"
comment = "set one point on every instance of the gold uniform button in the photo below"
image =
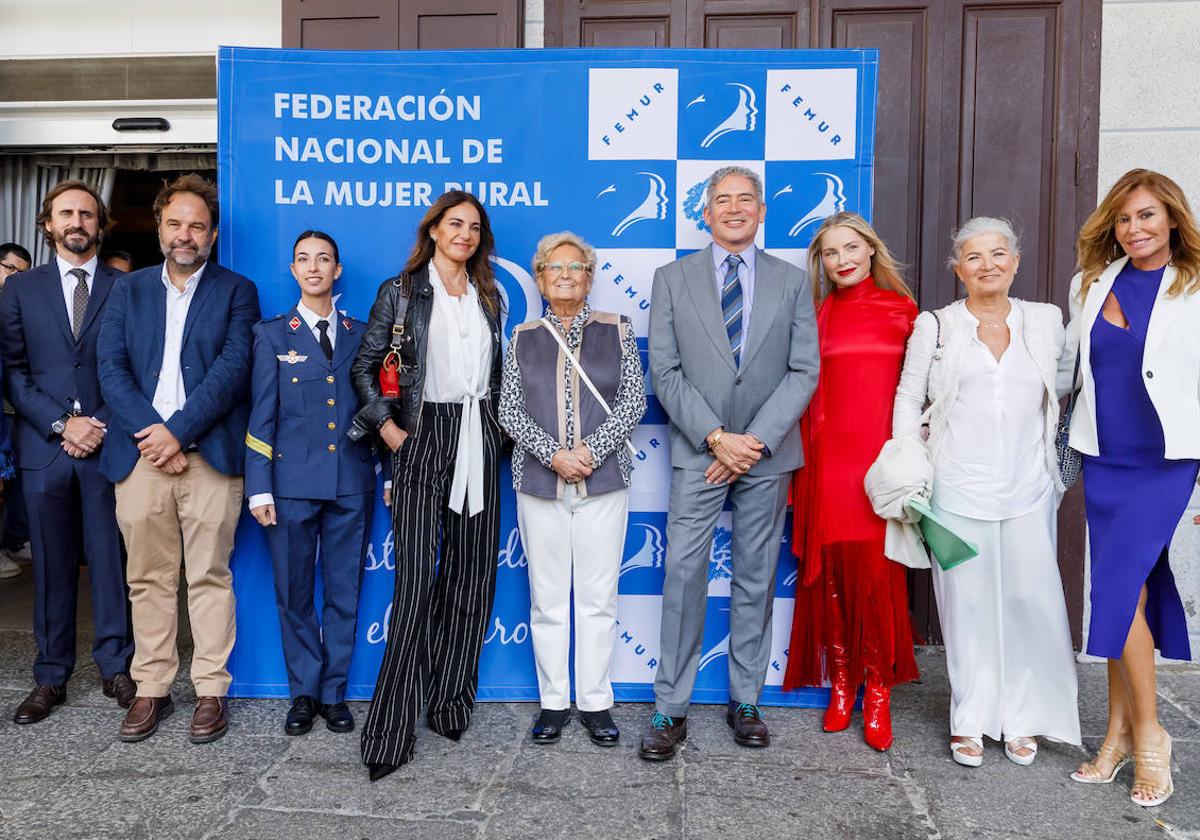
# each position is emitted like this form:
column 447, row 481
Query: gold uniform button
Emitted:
column 295, row 379
column 329, row 401
column 332, row 426
column 332, row 447
column 329, row 379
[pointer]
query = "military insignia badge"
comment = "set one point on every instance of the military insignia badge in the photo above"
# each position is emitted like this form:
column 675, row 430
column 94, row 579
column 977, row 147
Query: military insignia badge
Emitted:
column 294, row 323
column 291, row 357
column 346, row 323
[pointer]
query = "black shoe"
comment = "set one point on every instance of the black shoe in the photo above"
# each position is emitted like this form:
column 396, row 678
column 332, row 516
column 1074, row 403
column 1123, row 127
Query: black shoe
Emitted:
column 300, row 716
column 337, row 717
column 377, row 771
column 547, row 729
column 601, row 728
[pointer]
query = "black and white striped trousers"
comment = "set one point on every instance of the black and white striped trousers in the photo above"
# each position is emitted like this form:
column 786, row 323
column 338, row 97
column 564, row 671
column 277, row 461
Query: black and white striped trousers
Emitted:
column 441, row 606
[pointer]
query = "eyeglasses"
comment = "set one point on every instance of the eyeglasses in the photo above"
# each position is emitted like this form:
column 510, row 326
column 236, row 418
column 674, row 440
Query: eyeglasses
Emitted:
column 574, row 269
column 8, row 268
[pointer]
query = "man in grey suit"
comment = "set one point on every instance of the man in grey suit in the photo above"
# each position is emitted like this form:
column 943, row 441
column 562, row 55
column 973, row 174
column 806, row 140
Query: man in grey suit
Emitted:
column 733, row 359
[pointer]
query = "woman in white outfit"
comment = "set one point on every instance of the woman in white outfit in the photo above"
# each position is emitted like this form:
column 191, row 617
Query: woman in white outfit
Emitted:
column 571, row 468
column 987, row 364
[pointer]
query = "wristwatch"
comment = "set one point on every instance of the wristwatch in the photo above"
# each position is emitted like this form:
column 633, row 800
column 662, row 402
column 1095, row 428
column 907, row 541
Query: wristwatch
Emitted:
column 60, row 425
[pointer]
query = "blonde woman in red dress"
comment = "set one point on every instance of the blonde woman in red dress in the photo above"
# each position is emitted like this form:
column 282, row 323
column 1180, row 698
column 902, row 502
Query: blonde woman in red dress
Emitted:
column 851, row 621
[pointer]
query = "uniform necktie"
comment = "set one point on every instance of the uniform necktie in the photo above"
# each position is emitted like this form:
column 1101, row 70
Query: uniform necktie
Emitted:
column 326, row 344
column 731, row 306
column 80, row 303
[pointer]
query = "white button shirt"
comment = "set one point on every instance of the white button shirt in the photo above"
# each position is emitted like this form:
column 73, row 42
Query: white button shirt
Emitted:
column 169, row 394
column 70, row 281
column 992, row 461
column 310, row 318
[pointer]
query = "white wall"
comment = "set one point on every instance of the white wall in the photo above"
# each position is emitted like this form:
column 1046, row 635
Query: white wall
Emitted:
column 40, row 28
column 1150, row 117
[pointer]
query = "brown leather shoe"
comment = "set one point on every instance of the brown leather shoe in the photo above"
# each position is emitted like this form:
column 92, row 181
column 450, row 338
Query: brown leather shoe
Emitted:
column 38, row 704
column 749, row 730
column 121, row 687
column 144, row 716
column 663, row 737
column 210, row 720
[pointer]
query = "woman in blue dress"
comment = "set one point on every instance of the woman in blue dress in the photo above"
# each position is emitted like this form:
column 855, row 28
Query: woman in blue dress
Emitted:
column 1135, row 323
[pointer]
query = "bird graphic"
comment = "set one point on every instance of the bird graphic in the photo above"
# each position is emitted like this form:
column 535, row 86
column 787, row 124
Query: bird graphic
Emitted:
column 653, row 206
column 743, row 118
column 834, row 201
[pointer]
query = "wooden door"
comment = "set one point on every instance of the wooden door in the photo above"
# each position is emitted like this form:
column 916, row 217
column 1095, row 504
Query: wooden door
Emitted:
column 402, row 24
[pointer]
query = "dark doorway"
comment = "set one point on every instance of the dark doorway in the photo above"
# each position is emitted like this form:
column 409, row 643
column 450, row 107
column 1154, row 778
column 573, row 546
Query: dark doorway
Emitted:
column 131, row 206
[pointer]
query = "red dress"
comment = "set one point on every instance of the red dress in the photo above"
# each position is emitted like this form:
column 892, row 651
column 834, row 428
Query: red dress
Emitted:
column 848, row 593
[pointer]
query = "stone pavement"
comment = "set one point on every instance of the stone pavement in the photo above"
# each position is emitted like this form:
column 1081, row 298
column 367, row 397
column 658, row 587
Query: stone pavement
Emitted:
column 69, row 777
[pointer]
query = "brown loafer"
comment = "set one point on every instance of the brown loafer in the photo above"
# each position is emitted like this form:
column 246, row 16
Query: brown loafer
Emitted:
column 38, row 704
column 663, row 737
column 144, row 716
column 121, row 687
column 749, row 730
column 210, row 720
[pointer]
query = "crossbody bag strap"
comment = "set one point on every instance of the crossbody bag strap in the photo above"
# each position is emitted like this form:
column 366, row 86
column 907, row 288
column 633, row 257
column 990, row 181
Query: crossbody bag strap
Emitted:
column 587, row 381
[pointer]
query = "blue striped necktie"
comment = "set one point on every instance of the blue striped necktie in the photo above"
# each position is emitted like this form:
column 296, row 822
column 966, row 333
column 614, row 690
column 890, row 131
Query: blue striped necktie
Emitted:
column 731, row 306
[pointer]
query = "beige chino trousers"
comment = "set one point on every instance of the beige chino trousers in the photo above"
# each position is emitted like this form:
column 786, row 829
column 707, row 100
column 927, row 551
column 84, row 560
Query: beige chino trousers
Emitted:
column 165, row 518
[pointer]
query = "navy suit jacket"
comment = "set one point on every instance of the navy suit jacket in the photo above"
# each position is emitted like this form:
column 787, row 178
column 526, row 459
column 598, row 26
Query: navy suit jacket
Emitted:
column 45, row 368
column 303, row 405
column 215, row 358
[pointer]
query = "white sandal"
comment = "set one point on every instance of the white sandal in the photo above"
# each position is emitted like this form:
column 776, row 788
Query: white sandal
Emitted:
column 1022, row 743
column 1087, row 773
column 958, row 746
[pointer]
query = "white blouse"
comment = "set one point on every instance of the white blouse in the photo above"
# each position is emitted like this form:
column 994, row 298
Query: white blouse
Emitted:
column 458, row 369
column 991, row 464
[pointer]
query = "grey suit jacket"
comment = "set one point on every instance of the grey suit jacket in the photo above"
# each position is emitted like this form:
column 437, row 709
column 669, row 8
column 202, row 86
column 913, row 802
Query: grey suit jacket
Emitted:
column 691, row 365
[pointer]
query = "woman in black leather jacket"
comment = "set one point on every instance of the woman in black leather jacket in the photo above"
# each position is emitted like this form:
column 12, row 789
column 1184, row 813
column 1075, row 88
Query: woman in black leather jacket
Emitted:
column 441, row 317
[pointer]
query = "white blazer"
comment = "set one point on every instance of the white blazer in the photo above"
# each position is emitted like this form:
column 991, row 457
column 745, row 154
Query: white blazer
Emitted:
column 1170, row 364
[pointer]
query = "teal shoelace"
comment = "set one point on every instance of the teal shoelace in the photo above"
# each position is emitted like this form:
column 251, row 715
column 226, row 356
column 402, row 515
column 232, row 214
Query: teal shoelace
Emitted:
column 661, row 721
column 747, row 710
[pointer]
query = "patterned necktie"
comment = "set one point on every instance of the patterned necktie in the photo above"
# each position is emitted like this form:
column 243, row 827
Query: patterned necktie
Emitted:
column 731, row 306
column 80, row 302
column 324, row 341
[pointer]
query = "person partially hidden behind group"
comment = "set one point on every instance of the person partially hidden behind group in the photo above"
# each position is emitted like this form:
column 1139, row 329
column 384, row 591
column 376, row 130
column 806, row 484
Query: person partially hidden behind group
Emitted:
column 175, row 371
column 309, row 484
column 49, row 326
column 571, row 472
column 436, row 325
column 851, row 619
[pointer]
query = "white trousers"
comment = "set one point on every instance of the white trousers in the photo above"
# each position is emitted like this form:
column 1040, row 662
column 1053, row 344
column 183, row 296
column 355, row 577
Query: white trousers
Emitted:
column 573, row 541
column 1004, row 623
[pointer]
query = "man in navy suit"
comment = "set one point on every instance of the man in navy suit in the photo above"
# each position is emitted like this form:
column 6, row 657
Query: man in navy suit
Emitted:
column 175, row 371
column 49, row 323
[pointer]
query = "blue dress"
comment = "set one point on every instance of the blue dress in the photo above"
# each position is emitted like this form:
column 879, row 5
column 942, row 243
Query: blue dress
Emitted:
column 1134, row 496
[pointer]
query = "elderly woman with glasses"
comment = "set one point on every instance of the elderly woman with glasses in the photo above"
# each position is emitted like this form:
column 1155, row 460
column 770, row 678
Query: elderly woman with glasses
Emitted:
column 571, row 467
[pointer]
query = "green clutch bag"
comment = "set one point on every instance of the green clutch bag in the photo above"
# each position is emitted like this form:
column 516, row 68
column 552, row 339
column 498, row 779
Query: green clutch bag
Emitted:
column 947, row 547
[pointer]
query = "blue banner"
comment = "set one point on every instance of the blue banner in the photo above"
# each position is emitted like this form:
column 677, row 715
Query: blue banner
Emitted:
column 615, row 145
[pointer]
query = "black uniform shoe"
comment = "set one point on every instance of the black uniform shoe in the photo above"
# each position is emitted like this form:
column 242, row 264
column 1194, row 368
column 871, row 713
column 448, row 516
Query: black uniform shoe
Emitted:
column 300, row 716
column 547, row 729
column 337, row 717
column 601, row 728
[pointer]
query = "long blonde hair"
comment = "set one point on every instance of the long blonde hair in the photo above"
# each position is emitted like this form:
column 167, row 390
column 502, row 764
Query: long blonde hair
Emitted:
column 885, row 268
column 1098, row 245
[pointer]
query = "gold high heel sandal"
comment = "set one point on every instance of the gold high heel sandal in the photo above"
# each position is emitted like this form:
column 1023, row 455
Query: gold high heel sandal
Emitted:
column 1152, row 760
column 1089, row 775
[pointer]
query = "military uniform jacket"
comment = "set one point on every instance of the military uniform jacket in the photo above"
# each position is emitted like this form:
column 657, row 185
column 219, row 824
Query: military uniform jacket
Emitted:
column 302, row 405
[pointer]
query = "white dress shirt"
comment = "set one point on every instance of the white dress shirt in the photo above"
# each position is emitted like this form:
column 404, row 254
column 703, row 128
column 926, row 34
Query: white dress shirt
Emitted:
column 70, row 281
column 311, row 318
column 991, row 464
column 169, row 394
column 458, row 368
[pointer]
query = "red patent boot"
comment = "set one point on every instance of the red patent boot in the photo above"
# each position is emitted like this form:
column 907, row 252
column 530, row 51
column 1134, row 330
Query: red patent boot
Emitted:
column 877, row 713
column 841, row 692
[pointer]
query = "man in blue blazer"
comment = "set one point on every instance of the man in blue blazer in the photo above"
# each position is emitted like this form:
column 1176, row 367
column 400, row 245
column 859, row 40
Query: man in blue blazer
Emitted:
column 49, row 322
column 175, row 371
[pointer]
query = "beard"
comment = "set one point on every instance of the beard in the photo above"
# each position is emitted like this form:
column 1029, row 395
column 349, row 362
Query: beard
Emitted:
column 187, row 261
column 77, row 246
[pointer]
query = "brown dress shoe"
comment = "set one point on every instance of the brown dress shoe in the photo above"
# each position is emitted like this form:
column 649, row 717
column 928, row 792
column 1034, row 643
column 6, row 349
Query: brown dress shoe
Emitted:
column 210, row 720
column 663, row 737
column 143, row 717
column 121, row 687
column 38, row 704
column 749, row 730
